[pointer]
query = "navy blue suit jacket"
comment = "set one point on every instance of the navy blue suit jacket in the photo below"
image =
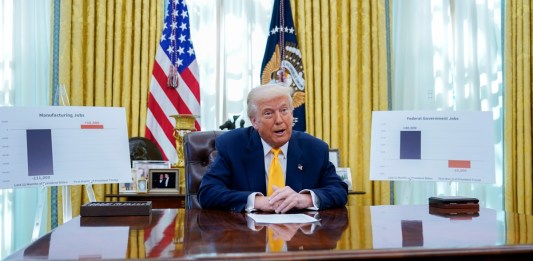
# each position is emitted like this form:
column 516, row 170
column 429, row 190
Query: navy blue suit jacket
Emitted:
column 239, row 170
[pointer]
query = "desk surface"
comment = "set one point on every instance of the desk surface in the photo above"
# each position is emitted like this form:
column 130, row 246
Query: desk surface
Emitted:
column 378, row 232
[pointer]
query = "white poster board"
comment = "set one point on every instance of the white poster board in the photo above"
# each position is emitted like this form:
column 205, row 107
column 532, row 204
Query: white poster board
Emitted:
column 432, row 146
column 63, row 145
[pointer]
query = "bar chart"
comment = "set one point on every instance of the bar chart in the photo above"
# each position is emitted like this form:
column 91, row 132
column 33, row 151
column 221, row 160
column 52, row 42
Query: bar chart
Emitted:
column 63, row 146
column 432, row 146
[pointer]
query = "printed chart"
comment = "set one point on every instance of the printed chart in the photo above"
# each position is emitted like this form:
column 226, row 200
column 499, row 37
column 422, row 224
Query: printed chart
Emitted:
column 51, row 146
column 432, row 146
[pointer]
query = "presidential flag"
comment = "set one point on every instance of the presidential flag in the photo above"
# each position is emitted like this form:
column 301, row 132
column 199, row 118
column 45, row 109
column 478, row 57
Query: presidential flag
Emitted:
column 175, row 87
column 282, row 62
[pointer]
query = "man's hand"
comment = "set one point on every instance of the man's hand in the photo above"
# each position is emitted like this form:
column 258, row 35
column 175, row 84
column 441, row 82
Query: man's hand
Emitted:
column 284, row 199
column 261, row 203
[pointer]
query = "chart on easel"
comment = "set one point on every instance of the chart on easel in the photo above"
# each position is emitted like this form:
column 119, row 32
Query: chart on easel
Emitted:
column 51, row 146
column 432, row 146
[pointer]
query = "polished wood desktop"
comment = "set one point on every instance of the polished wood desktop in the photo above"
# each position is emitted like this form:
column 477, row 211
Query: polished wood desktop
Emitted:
column 166, row 200
column 378, row 232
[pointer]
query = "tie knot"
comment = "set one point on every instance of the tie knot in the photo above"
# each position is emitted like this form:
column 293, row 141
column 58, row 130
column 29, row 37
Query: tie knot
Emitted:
column 276, row 151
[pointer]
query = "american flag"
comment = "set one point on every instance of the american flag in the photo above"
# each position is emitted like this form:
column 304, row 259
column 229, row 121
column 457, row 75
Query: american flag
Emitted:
column 175, row 87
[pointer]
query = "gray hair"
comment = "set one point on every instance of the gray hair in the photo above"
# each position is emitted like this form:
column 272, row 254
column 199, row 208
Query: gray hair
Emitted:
column 266, row 92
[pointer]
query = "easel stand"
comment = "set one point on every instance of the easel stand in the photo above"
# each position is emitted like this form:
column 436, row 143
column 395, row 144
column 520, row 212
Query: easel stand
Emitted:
column 67, row 206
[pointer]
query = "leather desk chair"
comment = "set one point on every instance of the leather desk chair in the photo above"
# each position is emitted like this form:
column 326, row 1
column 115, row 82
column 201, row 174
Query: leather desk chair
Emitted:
column 199, row 152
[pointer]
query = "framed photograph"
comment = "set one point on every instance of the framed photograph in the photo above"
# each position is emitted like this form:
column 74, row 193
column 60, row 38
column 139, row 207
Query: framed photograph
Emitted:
column 130, row 187
column 164, row 181
column 334, row 157
column 142, row 186
column 346, row 176
column 142, row 169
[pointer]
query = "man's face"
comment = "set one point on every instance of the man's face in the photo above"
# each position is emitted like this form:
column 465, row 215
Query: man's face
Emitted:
column 274, row 121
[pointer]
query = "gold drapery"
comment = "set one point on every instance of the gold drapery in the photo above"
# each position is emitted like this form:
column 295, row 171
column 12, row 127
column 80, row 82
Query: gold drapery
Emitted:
column 519, row 228
column 106, row 55
column 344, row 49
column 518, row 108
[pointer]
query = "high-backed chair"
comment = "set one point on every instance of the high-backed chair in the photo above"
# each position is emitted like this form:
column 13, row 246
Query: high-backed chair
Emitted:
column 199, row 152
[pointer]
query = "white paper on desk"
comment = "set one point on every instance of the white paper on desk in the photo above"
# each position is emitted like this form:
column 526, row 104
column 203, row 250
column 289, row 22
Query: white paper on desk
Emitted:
column 282, row 218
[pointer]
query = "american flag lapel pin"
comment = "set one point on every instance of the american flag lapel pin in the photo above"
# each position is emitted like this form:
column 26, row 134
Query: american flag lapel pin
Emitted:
column 300, row 167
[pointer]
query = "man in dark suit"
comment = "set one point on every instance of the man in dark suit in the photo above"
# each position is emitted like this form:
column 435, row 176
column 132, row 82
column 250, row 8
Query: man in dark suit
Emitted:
column 238, row 178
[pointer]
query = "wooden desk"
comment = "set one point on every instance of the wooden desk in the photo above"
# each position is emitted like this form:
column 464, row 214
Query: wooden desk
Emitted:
column 379, row 232
column 167, row 200
column 159, row 200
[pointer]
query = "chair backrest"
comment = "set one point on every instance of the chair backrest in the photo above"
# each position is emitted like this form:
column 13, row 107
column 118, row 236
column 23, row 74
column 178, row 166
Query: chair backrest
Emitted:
column 143, row 149
column 199, row 152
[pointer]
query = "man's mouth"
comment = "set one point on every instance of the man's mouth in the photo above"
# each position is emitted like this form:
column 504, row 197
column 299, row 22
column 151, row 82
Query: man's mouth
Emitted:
column 279, row 131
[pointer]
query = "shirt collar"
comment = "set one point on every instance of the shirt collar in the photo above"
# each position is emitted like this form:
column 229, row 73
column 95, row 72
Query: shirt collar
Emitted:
column 267, row 148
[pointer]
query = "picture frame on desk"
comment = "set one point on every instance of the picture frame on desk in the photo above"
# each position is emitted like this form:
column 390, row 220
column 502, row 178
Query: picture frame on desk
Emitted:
column 334, row 157
column 142, row 186
column 164, row 181
column 346, row 175
column 144, row 166
column 141, row 168
column 130, row 187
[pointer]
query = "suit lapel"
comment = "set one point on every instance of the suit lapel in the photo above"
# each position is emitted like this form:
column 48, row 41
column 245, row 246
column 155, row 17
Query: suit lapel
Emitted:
column 295, row 165
column 254, row 163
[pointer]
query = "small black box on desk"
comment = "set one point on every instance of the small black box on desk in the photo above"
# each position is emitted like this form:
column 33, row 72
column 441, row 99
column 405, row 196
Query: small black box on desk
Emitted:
column 121, row 208
column 454, row 204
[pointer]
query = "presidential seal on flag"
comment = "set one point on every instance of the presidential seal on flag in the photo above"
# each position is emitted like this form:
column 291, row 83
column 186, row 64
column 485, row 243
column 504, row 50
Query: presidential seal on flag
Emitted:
column 282, row 62
column 288, row 72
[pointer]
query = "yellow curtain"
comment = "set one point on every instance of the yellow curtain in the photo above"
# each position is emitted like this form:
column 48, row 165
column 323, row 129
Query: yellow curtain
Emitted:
column 519, row 228
column 517, row 126
column 344, row 48
column 106, row 54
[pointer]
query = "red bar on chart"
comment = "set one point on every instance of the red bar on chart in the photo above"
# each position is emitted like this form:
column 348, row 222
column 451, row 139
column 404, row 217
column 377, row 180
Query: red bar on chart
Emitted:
column 92, row 126
column 465, row 164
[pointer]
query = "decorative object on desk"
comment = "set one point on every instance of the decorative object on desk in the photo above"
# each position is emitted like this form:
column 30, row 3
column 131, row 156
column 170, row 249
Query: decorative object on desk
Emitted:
column 164, row 181
column 133, row 222
column 334, row 157
column 123, row 208
column 143, row 149
column 346, row 176
column 130, row 187
column 230, row 125
column 184, row 125
column 454, row 204
column 455, row 214
column 142, row 186
column 143, row 167
column 344, row 173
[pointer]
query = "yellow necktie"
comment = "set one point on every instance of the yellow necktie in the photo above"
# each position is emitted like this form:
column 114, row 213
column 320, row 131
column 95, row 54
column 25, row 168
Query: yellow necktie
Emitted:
column 274, row 245
column 275, row 173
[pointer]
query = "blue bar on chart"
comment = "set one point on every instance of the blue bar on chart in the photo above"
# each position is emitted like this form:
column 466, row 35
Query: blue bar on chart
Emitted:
column 39, row 150
column 410, row 144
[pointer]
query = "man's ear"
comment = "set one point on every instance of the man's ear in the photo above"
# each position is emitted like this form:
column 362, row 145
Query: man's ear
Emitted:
column 254, row 123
